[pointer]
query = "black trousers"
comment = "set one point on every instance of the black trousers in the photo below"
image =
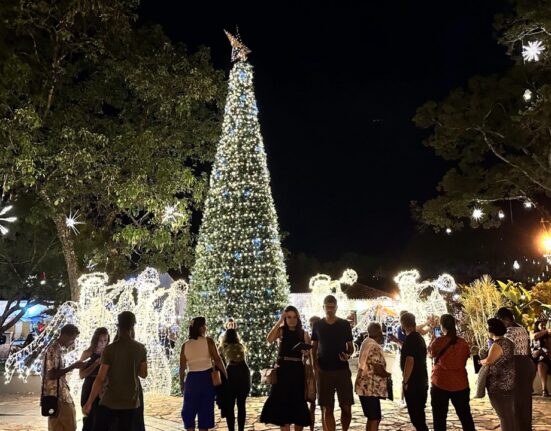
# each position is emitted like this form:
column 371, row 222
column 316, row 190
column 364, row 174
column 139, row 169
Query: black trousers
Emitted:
column 416, row 399
column 241, row 412
column 525, row 372
column 440, row 401
column 115, row 420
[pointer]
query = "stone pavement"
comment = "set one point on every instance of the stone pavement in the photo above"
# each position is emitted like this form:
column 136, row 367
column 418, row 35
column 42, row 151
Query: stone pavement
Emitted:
column 22, row 413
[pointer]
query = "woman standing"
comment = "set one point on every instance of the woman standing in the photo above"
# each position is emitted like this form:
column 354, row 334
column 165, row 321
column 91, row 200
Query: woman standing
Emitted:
column 198, row 355
column 500, row 380
column 286, row 404
column 525, row 370
column 92, row 355
column 449, row 376
column 541, row 353
column 372, row 378
column 239, row 378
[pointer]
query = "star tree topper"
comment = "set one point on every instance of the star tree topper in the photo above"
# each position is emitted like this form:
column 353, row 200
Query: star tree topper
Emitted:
column 238, row 49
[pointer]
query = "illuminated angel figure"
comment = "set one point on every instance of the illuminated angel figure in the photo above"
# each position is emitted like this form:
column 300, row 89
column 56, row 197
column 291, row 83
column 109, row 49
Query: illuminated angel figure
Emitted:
column 156, row 313
column 415, row 296
column 322, row 285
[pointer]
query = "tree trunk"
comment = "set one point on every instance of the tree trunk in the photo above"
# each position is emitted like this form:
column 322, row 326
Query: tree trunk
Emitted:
column 68, row 247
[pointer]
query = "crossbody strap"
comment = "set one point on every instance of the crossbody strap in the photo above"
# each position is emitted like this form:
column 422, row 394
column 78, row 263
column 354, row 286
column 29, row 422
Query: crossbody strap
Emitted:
column 441, row 352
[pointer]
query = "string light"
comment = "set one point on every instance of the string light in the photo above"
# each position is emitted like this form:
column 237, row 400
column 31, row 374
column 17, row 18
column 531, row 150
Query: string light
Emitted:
column 171, row 214
column 448, row 231
column 532, row 51
column 516, row 265
column 501, row 214
column 528, row 204
column 156, row 310
column 527, row 96
column 3, row 229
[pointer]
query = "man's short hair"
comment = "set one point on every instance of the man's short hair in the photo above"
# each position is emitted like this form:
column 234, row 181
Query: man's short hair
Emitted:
column 505, row 313
column 126, row 320
column 70, row 330
column 407, row 320
column 329, row 299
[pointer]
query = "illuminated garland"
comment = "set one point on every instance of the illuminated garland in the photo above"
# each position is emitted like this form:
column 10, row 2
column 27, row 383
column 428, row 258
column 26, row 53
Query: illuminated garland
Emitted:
column 156, row 311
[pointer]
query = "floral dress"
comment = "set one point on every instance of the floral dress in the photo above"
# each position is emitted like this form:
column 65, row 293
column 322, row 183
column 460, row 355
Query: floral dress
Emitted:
column 501, row 374
column 369, row 384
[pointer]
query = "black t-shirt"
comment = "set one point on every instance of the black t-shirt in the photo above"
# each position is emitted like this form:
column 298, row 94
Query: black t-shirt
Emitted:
column 415, row 346
column 332, row 339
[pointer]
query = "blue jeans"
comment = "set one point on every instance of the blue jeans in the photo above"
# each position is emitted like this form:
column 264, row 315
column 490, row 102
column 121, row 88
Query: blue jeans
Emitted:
column 198, row 400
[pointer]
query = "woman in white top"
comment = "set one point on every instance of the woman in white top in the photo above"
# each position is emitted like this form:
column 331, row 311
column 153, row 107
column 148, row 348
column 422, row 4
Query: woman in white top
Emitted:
column 198, row 355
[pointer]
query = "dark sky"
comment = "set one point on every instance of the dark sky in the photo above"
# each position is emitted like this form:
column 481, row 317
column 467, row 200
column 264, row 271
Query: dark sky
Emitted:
column 337, row 88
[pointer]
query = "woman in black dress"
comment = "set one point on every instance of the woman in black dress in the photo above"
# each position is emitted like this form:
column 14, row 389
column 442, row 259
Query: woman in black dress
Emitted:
column 286, row 404
column 92, row 356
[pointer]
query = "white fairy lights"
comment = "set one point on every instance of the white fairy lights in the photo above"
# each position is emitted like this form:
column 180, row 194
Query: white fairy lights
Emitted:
column 99, row 305
column 239, row 270
column 527, row 95
column 3, row 229
column 532, row 51
column 171, row 214
column 501, row 214
column 71, row 221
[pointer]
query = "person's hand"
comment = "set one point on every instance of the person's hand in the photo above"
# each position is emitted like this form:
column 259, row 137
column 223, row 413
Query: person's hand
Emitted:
column 86, row 408
column 343, row 356
column 182, row 386
column 281, row 320
column 394, row 338
column 404, row 386
column 79, row 364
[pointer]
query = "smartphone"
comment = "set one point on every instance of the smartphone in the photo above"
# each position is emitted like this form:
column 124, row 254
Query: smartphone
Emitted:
column 437, row 331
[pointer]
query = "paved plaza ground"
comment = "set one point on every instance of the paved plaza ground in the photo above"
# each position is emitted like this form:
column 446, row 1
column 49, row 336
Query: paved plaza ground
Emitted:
column 22, row 413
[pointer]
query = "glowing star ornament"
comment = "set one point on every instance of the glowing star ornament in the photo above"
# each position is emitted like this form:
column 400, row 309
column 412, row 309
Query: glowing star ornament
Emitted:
column 171, row 214
column 71, row 221
column 532, row 51
column 477, row 214
column 3, row 229
column 238, row 49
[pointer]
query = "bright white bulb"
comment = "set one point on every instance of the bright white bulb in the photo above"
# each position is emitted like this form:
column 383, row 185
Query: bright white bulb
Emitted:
column 71, row 221
column 456, row 297
column 477, row 214
column 527, row 96
column 3, row 229
column 528, row 204
column 448, row 230
column 532, row 51
column 516, row 265
column 501, row 214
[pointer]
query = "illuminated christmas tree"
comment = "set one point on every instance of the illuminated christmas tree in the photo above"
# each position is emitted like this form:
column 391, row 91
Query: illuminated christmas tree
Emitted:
column 239, row 271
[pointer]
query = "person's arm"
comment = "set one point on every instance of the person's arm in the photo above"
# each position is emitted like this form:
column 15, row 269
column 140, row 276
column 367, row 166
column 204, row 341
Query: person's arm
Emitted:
column 216, row 357
column 307, row 340
column 54, row 374
column 493, row 355
column 85, row 372
column 96, row 388
column 408, row 368
column 142, row 371
column 183, row 366
column 396, row 340
column 540, row 334
column 315, row 355
column 275, row 332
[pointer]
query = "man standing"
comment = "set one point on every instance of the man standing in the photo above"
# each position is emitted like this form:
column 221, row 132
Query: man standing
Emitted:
column 122, row 362
column 413, row 362
column 332, row 347
column 55, row 383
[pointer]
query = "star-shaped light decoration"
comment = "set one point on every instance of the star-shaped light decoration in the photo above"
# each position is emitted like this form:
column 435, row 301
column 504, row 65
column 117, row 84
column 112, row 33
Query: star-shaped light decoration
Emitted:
column 71, row 221
column 171, row 214
column 3, row 229
column 532, row 51
column 477, row 214
column 238, row 49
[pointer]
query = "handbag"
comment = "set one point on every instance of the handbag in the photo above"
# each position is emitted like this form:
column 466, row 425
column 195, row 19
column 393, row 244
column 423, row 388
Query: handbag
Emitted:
column 268, row 376
column 49, row 404
column 389, row 392
column 216, row 377
column 309, row 382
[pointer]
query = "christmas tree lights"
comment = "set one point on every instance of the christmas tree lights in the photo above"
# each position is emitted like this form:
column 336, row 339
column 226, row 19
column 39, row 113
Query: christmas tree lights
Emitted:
column 239, row 270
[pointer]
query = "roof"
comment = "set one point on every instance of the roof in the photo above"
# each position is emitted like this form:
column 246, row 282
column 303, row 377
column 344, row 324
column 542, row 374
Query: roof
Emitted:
column 361, row 291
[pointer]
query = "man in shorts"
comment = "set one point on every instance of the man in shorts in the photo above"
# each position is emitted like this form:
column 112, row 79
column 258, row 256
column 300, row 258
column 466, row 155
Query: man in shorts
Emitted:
column 332, row 346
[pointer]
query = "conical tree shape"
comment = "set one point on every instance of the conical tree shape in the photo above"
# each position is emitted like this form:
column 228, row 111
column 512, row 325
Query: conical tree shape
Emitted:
column 239, row 270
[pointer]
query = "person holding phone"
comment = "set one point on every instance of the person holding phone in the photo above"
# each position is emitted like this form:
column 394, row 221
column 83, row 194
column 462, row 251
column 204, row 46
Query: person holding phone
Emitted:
column 332, row 347
column 92, row 358
column 449, row 380
column 286, row 404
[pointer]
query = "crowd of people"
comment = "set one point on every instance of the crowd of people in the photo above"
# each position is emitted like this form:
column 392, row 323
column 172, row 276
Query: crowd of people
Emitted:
column 216, row 373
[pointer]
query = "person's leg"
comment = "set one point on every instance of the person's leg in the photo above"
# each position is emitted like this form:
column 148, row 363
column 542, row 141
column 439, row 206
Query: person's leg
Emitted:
column 190, row 406
column 298, row 427
column 326, row 399
column 543, row 369
column 205, row 412
column 503, row 406
column 461, row 403
column 65, row 420
column 312, row 415
column 230, row 414
column 127, row 419
column 416, row 399
column 345, row 394
column 103, row 419
column 525, row 373
column 439, row 402
column 241, row 412
column 371, row 407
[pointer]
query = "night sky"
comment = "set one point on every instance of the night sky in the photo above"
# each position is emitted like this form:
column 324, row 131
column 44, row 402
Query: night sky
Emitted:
column 337, row 88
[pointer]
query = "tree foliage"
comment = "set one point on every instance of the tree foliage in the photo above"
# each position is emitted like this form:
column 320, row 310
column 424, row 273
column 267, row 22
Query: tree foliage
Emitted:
column 110, row 119
column 499, row 145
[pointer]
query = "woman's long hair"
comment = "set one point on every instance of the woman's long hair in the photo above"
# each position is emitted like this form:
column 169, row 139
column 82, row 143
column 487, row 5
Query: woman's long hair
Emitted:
column 231, row 337
column 447, row 321
column 95, row 338
column 195, row 327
